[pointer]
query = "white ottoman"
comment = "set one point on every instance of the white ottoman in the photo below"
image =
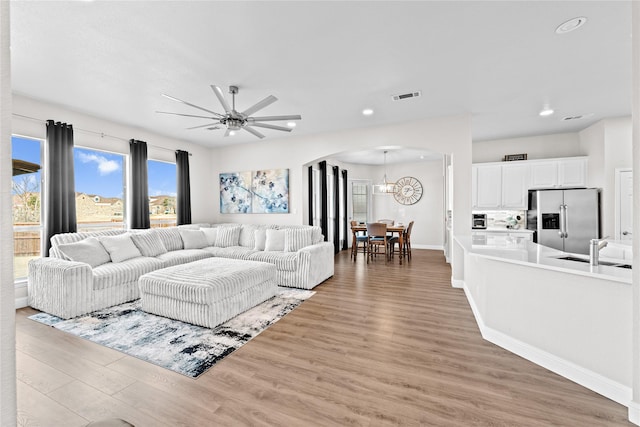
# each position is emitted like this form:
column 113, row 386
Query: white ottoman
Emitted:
column 207, row 292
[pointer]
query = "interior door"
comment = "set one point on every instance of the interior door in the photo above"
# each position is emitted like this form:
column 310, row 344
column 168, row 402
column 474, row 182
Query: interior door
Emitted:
column 625, row 211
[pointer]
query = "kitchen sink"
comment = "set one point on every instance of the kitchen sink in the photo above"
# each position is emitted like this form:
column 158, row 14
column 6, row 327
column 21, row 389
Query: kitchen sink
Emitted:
column 586, row 260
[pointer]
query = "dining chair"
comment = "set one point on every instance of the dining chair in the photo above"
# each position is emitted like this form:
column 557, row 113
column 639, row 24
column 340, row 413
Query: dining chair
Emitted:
column 376, row 238
column 407, row 241
column 359, row 237
column 388, row 222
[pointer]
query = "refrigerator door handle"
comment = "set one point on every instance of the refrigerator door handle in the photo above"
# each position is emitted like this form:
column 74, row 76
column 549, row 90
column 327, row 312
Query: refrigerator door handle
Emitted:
column 563, row 220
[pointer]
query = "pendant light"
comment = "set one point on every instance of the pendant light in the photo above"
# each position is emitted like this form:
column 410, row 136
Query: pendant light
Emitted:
column 385, row 187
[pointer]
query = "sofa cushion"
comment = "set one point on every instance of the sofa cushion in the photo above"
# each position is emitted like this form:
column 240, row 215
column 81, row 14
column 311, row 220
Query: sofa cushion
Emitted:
column 118, row 273
column 149, row 243
column 120, row 248
column 260, row 239
column 284, row 261
column 235, row 252
column 248, row 235
column 228, row 235
column 89, row 251
column 170, row 238
column 211, row 235
column 274, row 240
column 193, row 239
column 183, row 256
column 297, row 238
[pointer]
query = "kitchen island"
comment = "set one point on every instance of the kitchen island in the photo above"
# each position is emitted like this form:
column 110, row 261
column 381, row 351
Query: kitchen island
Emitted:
column 567, row 316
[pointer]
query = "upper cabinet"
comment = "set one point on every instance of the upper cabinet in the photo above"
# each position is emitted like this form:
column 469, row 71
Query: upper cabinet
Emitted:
column 499, row 186
column 504, row 185
column 558, row 173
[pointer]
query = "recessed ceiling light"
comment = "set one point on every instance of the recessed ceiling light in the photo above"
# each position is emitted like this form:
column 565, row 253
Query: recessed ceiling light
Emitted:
column 291, row 124
column 570, row 25
column 367, row 111
column 546, row 111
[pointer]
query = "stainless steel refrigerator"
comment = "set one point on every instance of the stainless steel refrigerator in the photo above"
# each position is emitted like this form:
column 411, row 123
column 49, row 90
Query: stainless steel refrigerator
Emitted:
column 565, row 219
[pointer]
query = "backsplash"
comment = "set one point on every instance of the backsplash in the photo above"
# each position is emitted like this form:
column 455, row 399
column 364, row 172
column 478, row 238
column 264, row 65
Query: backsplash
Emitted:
column 506, row 219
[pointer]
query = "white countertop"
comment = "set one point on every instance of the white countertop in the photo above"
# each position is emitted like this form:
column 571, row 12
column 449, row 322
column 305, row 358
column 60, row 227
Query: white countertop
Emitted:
column 503, row 230
column 519, row 250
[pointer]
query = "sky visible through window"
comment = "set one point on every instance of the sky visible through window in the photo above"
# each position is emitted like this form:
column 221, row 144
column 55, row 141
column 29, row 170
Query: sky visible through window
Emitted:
column 100, row 172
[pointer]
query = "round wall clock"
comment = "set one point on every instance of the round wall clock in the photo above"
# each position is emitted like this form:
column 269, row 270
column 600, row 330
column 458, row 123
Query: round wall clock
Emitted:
column 407, row 191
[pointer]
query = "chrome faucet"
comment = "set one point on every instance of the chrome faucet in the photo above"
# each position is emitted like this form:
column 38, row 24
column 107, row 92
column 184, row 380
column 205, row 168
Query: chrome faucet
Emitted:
column 594, row 250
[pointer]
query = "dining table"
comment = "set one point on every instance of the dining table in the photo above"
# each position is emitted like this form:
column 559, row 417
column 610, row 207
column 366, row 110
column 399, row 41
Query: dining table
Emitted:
column 396, row 228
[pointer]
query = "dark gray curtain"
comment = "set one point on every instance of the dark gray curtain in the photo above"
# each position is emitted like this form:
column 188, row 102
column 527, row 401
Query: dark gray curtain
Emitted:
column 184, row 188
column 324, row 202
column 345, row 203
column 139, row 205
column 60, row 195
column 311, row 198
column 337, row 247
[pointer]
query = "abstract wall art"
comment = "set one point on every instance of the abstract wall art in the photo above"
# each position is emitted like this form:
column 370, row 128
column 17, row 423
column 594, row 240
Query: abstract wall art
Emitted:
column 260, row 191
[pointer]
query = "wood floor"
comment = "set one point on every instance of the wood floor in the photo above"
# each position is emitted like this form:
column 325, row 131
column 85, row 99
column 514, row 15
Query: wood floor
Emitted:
column 379, row 344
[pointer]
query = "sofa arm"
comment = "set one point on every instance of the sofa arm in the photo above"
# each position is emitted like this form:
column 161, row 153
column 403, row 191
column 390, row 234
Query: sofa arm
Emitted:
column 321, row 262
column 59, row 287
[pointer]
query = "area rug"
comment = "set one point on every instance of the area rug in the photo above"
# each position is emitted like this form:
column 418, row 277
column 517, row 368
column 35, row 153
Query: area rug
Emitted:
column 181, row 347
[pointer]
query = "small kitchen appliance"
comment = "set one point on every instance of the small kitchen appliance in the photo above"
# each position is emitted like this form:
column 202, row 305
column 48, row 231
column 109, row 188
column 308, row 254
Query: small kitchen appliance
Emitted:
column 479, row 221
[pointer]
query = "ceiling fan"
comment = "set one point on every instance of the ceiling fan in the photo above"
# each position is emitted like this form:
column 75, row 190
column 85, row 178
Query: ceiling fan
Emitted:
column 234, row 120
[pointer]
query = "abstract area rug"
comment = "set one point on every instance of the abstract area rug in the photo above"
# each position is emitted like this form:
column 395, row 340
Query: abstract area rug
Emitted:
column 181, row 347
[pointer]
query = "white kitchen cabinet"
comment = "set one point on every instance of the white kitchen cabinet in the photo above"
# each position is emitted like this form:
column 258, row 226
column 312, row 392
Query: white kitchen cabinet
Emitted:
column 515, row 183
column 559, row 173
column 487, row 186
column 499, row 186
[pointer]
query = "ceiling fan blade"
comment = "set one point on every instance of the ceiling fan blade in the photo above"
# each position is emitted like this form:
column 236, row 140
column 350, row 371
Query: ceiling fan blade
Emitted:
column 220, row 96
column 273, row 118
column 268, row 126
column 204, row 126
column 191, row 105
column 260, row 105
column 253, row 131
column 186, row 115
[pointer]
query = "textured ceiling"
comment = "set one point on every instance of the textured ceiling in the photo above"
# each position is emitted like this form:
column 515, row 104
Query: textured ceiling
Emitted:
column 498, row 61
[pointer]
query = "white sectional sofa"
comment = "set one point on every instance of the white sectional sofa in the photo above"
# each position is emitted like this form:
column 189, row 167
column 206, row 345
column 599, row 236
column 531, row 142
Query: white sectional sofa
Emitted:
column 90, row 271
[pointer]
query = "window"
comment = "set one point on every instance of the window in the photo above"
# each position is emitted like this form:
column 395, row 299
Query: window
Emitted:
column 26, row 207
column 162, row 193
column 99, row 182
column 360, row 201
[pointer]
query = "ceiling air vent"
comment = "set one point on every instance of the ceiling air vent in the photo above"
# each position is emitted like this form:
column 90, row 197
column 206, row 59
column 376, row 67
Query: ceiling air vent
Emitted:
column 406, row 96
column 572, row 118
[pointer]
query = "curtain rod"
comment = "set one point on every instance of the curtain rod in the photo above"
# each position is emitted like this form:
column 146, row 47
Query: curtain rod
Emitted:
column 101, row 134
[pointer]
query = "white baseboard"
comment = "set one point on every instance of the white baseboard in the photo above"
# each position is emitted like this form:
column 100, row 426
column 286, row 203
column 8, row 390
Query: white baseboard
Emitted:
column 21, row 302
column 457, row 283
column 593, row 381
column 634, row 413
column 431, row 247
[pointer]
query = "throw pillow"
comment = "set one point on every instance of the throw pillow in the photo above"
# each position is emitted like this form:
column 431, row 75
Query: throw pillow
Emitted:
column 297, row 238
column 149, row 243
column 274, row 240
column 248, row 235
column 193, row 239
column 89, row 251
column 211, row 234
column 260, row 237
column 228, row 236
column 120, row 248
column 170, row 238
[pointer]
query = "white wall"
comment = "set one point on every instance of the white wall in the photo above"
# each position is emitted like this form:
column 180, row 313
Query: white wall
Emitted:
column 536, row 147
column 609, row 147
column 451, row 135
column 427, row 213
